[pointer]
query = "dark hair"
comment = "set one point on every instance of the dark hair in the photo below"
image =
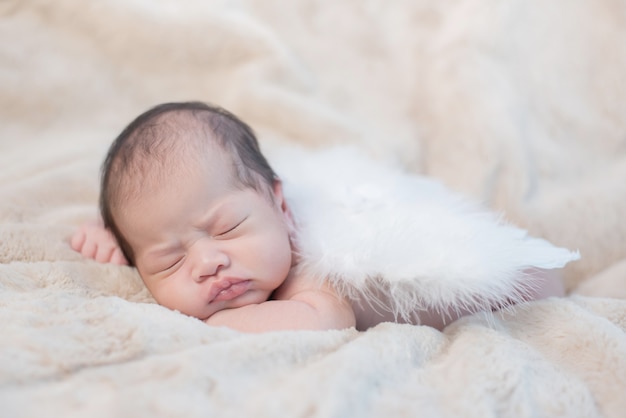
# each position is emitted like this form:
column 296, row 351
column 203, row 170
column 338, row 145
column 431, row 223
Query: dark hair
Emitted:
column 147, row 136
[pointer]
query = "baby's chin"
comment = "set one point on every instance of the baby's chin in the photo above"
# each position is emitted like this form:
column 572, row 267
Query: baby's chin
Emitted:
column 252, row 297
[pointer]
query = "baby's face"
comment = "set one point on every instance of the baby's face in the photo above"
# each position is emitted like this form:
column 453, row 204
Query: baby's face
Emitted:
column 201, row 245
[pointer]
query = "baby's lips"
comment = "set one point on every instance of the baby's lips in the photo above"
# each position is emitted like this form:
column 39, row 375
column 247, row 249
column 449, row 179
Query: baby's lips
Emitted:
column 228, row 289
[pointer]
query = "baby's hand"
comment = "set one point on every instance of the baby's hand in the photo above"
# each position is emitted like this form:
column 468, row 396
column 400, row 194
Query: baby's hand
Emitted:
column 94, row 241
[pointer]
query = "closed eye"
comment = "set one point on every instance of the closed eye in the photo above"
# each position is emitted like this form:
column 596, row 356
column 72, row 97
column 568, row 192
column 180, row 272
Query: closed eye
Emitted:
column 233, row 228
column 171, row 266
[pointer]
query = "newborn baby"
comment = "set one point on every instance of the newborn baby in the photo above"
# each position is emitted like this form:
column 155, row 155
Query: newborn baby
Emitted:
column 188, row 199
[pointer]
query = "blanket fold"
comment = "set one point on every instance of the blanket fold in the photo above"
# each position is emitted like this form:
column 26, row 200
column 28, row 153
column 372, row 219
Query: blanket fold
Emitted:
column 517, row 105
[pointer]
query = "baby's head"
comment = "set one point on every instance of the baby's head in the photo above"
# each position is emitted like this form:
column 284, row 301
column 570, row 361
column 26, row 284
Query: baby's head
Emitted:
column 197, row 209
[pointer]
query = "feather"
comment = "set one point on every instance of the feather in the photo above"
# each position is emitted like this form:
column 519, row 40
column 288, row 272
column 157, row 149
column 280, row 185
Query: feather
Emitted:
column 373, row 230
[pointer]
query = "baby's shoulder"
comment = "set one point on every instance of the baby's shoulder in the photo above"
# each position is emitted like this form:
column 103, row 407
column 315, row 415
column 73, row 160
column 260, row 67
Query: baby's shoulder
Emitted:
column 297, row 284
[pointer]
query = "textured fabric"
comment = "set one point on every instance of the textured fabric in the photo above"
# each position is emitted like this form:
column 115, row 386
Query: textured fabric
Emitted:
column 518, row 104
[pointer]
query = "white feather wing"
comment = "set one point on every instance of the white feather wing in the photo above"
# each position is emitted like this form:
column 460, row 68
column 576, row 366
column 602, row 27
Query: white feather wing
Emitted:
column 370, row 228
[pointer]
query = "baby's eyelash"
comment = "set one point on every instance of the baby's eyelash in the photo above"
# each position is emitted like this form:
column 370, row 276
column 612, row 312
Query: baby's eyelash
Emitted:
column 171, row 266
column 233, row 228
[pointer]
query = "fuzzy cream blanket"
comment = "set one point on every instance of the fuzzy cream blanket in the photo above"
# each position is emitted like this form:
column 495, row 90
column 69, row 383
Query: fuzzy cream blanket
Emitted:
column 519, row 104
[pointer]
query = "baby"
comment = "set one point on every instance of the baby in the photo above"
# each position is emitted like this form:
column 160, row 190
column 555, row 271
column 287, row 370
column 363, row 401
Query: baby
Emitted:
column 188, row 198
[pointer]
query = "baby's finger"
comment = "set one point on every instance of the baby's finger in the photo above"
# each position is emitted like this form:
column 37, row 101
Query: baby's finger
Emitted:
column 89, row 249
column 77, row 240
column 118, row 258
column 104, row 253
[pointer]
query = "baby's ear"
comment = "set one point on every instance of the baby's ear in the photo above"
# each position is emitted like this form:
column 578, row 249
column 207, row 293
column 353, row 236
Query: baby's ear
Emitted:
column 277, row 188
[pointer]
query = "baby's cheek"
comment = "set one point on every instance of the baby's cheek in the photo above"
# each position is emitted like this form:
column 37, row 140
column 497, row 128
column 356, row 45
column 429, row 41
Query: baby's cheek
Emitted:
column 277, row 258
column 168, row 293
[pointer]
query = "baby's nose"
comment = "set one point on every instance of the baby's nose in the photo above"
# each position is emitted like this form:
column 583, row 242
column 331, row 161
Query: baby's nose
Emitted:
column 208, row 262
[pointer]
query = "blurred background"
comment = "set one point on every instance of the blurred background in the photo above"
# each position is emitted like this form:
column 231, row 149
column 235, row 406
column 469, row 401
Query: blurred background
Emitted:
column 519, row 104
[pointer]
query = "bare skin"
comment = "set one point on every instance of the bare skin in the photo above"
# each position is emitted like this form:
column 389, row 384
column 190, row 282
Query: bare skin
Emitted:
column 296, row 303
column 216, row 252
column 211, row 249
column 94, row 241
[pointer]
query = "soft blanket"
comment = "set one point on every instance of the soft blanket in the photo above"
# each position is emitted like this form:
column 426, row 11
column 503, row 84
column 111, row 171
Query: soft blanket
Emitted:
column 519, row 104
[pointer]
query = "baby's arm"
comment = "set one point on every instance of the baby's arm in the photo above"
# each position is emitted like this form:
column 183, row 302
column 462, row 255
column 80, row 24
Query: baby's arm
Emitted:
column 317, row 309
column 94, row 241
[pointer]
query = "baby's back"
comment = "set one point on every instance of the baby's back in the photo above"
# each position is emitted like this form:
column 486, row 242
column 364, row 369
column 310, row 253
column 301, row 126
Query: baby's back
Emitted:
column 370, row 313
